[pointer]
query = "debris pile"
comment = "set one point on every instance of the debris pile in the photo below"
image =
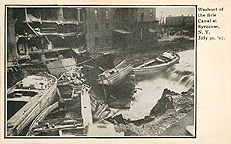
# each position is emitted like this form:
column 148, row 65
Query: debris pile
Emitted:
column 171, row 100
column 100, row 110
column 64, row 114
column 74, row 77
column 65, row 117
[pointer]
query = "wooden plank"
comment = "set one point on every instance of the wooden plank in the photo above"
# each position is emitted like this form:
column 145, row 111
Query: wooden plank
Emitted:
column 60, row 120
column 26, row 90
column 19, row 99
column 67, row 109
column 56, row 128
column 86, row 106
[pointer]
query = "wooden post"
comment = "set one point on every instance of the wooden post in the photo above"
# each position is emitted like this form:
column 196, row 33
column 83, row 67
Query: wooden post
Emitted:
column 86, row 107
column 104, row 90
column 59, row 94
column 78, row 9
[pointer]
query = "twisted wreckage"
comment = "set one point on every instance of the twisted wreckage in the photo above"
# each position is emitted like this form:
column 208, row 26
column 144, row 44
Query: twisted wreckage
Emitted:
column 32, row 102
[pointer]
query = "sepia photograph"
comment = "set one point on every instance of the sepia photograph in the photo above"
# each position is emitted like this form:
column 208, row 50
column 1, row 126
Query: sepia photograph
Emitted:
column 95, row 71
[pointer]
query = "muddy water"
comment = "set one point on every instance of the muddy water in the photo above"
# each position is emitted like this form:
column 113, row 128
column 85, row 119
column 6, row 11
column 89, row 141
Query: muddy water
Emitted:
column 178, row 78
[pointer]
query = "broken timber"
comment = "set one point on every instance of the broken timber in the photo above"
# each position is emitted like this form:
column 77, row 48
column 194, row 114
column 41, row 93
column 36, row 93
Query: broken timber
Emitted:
column 86, row 106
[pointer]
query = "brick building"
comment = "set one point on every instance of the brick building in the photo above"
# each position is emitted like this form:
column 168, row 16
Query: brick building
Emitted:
column 184, row 22
column 120, row 27
column 44, row 28
column 79, row 27
column 136, row 27
column 100, row 26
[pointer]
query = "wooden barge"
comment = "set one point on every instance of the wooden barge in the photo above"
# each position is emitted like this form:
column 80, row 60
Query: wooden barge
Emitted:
column 114, row 75
column 71, row 114
column 158, row 64
column 34, row 93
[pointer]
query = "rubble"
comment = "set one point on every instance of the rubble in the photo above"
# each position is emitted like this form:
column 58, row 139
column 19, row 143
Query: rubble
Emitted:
column 170, row 108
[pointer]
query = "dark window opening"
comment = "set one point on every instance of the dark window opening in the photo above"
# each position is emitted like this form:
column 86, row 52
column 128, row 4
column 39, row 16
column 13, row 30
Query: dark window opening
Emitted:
column 151, row 13
column 96, row 27
column 107, row 26
column 142, row 14
column 82, row 12
column 107, row 40
column 96, row 41
column 141, row 34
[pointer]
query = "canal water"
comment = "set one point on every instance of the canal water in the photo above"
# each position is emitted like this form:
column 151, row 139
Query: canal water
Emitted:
column 178, row 78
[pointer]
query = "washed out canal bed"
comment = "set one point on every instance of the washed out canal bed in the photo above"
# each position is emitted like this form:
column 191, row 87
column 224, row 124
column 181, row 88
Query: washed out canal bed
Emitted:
column 151, row 87
column 177, row 81
column 149, row 99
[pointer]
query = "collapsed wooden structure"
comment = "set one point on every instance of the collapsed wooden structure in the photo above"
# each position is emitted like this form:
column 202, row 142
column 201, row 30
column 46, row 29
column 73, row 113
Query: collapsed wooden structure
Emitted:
column 71, row 114
column 114, row 75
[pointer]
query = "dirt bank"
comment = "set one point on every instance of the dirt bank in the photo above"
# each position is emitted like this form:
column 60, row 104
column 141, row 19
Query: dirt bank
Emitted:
column 170, row 109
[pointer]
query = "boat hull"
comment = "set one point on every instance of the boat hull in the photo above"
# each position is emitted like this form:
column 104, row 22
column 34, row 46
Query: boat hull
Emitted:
column 79, row 116
column 117, row 77
column 31, row 109
column 154, row 69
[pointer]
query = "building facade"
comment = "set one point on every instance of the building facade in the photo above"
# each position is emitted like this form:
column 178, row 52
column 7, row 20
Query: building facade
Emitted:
column 184, row 22
column 120, row 27
column 89, row 28
column 136, row 27
column 100, row 25
column 34, row 29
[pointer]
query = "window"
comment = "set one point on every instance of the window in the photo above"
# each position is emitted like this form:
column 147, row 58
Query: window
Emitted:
column 96, row 27
column 107, row 14
column 96, row 41
column 141, row 34
column 82, row 14
column 107, row 26
column 151, row 13
column 107, row 40
column 142, row 14
column 96, row 13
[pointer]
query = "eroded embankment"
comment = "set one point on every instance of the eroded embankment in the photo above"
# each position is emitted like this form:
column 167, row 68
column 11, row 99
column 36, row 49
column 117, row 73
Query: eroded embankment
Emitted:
column 168, row 110
column 156, row 108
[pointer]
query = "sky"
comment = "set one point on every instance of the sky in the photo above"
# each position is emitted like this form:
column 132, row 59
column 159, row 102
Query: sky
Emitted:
column 175, row 11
